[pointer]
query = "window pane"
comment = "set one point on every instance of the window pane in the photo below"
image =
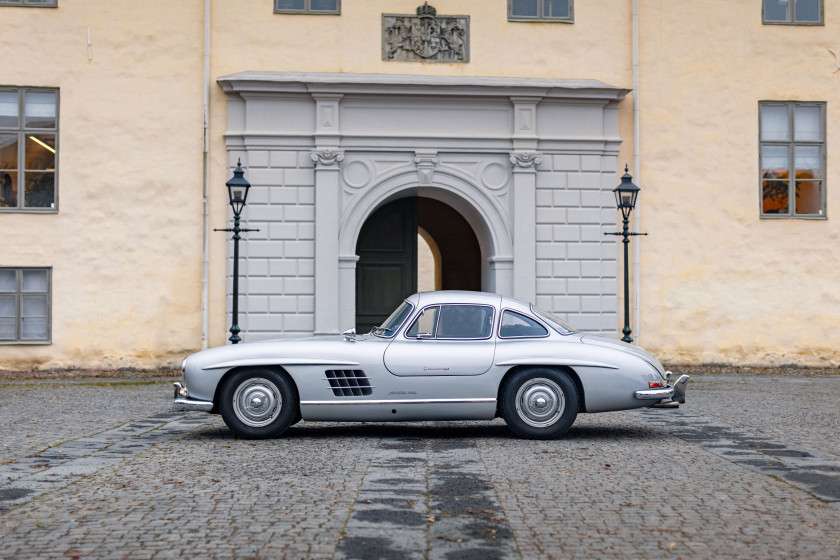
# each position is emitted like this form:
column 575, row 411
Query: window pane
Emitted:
column 774, row 122
column 8, row 151
column 33, row 329
column 40, row 152
column 9, row 111
column 290, row 5
column 774, row 197
column 325, row 5
column 465, row 321
column 776, row 10
column 806, row 161
column 33, row 306
column 40, row 190
column 774, row 162
column 34, row 281
column 524, row 8
column 8, row 190
column 516, row 325
column 809, row 197
column 40, row 109
column 806, row 123
column 7, row 306
column 7, row 328
column 424, row 325
column 556, row 8
column 7, row 280
column 807, row 10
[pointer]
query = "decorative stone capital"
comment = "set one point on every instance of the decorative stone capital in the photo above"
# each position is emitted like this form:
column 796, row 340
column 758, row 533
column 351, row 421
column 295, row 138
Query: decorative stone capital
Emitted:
column 327, row 157
column 525, row 160
column 426, row 162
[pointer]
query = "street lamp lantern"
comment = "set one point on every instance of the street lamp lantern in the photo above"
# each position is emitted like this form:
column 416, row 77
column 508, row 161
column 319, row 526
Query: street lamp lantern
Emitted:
column 238, row 189
column 237, row 193
column 625, row 199
column 626, row 194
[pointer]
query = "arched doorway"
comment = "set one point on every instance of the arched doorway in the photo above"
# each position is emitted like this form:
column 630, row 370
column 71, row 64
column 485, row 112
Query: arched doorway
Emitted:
column 387, row 247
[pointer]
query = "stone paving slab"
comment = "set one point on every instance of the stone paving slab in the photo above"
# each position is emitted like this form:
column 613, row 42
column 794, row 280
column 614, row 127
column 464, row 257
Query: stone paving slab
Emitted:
column 641, row 484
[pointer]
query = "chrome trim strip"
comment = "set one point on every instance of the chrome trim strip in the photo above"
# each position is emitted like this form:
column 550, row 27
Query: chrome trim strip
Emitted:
column 401, row 401
column 553, row 362
column 280, row 362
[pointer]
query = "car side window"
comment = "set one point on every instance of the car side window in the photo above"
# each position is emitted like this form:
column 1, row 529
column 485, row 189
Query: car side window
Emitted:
column 465, row 321
column 425, row 324
column 516, row 325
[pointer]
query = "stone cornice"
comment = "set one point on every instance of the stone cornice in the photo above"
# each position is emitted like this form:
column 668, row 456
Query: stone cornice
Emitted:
column 404, row 84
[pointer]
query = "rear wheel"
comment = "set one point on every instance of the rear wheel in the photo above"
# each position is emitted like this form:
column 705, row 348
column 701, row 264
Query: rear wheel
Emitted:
column 539, row 403
column 258, row 403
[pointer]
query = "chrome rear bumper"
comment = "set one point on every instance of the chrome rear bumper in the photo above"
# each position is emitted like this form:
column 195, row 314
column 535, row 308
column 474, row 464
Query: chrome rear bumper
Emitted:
column 184, row 403
column 675, row 392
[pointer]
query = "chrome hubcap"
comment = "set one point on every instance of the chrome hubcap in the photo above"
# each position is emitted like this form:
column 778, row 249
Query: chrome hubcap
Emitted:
column 540, row 402
column 257, row 402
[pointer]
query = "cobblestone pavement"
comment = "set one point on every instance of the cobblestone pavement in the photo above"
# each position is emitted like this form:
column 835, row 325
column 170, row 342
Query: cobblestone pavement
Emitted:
column 748, row 468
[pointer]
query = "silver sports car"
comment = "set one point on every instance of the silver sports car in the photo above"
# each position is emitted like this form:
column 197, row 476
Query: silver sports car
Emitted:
column 440, row 356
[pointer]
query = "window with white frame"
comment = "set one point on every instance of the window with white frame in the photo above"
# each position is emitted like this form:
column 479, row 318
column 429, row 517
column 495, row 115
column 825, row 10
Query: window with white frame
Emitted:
column 25, row 305
column 792, row 153
column 28, row 149
column 541, row 10
column 792, row 12
column 30, row 3
column 332, row 7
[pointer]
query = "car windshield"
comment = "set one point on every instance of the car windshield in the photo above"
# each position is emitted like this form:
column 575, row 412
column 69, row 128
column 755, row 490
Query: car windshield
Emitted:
column 392, row 323
column 558, row 325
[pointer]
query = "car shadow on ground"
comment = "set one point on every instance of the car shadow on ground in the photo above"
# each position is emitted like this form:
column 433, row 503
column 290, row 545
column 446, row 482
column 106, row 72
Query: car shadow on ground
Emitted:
column 436, row 431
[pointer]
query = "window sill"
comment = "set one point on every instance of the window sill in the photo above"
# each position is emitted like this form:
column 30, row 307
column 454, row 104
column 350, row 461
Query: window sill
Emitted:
column 795, row 23
column 28, row 211
column 538, row 20
column 789, row 217
column 25, row 342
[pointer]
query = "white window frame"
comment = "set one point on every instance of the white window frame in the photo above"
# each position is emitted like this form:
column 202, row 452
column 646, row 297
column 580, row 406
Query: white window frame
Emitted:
column 791, row 143
column 308, row 10
column 540, row 16
column 19, row 293
column 792, row 19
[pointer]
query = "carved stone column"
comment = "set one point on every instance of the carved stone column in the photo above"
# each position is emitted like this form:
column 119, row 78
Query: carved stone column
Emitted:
column 524, row 224
column 327, row 214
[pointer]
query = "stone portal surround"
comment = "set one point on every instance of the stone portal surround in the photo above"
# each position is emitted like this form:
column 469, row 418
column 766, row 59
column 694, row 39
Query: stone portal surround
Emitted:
column 576, row 266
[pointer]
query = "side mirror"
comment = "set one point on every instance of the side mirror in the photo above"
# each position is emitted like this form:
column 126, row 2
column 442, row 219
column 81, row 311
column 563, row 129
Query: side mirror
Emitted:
column 350, row 335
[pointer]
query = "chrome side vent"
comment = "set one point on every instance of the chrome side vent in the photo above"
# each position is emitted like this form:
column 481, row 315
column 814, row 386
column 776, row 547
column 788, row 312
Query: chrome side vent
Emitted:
column 349, row 382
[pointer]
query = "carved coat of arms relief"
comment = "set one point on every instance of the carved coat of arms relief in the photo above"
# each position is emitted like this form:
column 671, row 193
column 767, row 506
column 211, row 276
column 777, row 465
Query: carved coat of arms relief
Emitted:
column 425, row 37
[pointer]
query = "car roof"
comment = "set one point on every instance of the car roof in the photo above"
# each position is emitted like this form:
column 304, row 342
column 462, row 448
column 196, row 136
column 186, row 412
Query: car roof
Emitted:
column 462, row 296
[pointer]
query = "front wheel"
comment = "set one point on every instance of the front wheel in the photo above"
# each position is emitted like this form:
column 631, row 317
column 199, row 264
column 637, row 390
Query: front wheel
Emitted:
column 258, row 403
column 539, row 403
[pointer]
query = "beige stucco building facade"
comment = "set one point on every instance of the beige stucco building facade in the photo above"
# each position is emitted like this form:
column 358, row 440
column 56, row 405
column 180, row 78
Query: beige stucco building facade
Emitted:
column 522, row 138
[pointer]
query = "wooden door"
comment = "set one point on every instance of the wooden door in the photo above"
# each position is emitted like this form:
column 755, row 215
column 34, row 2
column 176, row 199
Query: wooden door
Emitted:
column 387, row 269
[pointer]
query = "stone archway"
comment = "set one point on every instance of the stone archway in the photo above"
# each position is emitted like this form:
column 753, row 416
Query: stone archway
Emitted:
column 475, row 208
column 387, row 247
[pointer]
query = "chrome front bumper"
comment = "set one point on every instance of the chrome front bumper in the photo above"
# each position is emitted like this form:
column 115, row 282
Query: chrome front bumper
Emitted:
column 183, row 402
column 675, row 392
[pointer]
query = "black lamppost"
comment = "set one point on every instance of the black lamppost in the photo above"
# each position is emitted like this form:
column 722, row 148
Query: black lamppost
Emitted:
column 625, row 199
column 237, row 193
